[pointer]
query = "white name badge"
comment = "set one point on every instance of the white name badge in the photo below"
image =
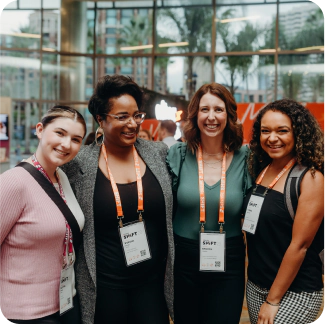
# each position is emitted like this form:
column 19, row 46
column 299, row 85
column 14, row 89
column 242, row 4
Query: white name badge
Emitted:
column 213, row 251
column 135, row 243
column 66, row 299
column 252, row 213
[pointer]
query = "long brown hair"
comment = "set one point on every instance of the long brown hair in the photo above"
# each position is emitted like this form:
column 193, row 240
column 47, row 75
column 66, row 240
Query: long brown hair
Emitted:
column 233, row 132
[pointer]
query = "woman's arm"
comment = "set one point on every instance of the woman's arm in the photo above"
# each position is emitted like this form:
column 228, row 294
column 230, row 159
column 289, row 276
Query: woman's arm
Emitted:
column 10, row 202
column 309, row 215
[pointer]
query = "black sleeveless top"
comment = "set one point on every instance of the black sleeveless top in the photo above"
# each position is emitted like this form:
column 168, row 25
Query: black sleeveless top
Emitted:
column 112, row 271
column 266, row 248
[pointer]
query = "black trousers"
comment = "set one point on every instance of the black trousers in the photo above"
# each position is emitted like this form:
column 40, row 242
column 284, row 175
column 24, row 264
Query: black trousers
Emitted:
column 142, row 305
column 70, row 317
column 208, row 297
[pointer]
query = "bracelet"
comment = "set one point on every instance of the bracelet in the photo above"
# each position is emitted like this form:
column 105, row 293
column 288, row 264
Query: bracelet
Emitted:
column 278, row 304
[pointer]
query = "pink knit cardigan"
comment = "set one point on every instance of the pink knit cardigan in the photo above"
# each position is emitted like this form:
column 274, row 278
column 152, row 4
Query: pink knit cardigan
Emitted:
column 32, row 230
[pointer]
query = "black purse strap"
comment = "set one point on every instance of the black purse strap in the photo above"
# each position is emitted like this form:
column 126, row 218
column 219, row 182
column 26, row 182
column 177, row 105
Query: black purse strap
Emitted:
column 57, row 199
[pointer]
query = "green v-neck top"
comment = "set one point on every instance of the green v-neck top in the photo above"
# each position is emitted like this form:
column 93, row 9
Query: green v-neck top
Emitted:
column 185, row 184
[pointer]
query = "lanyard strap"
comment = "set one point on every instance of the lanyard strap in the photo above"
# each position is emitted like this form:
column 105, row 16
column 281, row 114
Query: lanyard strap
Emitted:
column 68, row 240
column 118, row 201
column 275, row 180
column 221, row 214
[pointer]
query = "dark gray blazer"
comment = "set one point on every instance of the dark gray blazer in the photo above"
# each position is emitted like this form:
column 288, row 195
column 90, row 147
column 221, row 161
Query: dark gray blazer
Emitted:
column 81, row 172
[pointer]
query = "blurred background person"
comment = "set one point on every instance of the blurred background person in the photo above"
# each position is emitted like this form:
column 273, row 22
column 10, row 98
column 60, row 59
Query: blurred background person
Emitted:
column 166, row 132
column 145, row 134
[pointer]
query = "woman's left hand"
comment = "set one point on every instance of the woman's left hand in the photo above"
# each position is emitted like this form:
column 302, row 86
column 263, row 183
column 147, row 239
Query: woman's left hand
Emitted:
column 267, row 314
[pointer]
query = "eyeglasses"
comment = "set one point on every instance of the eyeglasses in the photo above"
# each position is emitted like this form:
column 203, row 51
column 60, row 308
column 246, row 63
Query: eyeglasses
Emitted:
column 125, row 119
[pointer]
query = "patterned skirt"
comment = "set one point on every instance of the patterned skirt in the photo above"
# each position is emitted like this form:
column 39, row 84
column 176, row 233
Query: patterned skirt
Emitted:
column 295, row 308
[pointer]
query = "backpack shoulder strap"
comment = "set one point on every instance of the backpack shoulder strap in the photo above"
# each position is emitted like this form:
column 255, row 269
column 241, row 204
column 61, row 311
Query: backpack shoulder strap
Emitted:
column 292, row 188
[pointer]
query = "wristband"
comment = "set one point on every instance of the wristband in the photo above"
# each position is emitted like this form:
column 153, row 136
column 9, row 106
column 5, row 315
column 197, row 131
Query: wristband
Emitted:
column 278, row 304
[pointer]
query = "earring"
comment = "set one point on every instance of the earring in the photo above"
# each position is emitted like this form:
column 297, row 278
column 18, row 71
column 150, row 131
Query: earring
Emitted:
column 96, row 136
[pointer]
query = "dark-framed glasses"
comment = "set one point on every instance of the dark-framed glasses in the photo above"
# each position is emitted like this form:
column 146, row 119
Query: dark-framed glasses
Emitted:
column 126, row 118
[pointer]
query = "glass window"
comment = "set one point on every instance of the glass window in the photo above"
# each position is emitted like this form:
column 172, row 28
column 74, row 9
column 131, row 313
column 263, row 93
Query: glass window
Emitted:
column 301, row 77
column 132, row 4
column 30, row 4
column 14, row 70
column 183, row 3
column 132, row 32
column 181, row 76
column 51, row 23
column 138, row 68
column 25, row 116
column 245, row 28
column 23, row 26
column 51, row 4
column 182, row 30
column 248, row 78
column 301, row 27
column 11, row 5
column 65, row 77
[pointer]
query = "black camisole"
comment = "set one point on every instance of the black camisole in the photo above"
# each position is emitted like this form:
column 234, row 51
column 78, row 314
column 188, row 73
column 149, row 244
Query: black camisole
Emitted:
column 112, row 271
column 266, row 248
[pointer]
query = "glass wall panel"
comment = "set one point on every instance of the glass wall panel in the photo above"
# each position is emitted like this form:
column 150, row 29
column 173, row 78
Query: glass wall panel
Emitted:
column 20, row 29
column 65, row 77
column 25, row 116
column 124, row 31
column 11, row 5
column 245, row 28
column 301, row 77
column 19, row 74
column 301, row 27
column 133, row 4
column 138, row 68
column 51, row 4
column 181, row 75
column 248, row 78
column 51, row 29
column 183, row 3
column 181, row 30
column 30, row 4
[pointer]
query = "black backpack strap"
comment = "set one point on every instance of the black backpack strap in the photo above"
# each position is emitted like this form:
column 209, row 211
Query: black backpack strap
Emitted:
column 57, row 199
column 292, row 188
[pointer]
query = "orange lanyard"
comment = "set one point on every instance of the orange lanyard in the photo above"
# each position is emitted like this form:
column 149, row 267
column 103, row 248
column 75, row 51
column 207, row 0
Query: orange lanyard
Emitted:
column 118, row 201
column 221, row 216
column 272, row 184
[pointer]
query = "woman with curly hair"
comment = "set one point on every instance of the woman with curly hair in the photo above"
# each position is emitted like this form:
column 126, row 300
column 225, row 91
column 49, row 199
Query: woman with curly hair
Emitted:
column 210, row 179
column 285, row 271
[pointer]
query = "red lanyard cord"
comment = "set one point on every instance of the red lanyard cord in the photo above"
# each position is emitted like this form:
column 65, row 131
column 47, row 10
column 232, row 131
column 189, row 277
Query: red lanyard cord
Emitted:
column 68, row 240
column 118, row 201
column 221, row 214
column 275, row 180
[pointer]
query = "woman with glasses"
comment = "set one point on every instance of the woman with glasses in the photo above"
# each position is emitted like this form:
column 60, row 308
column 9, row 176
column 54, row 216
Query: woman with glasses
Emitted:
column 124, row 190
column 210, row 180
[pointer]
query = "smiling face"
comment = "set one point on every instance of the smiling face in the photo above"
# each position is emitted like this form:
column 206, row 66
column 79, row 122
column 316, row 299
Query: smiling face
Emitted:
column 277, row 138
column 59, row 141
column 117, row 133
column 212, row 116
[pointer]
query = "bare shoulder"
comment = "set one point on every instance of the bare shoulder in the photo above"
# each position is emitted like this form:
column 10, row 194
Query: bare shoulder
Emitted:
column 312, row 183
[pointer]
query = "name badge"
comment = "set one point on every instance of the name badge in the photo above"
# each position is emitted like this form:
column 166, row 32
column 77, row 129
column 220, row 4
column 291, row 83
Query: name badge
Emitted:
column 252, row 213
column 66, row 299
column 134, row 243
column 213, row 251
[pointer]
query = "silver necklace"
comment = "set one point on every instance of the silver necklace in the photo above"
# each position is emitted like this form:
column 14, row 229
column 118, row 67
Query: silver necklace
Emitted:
column 212, row 167
column 211, row 154
column 214, row 162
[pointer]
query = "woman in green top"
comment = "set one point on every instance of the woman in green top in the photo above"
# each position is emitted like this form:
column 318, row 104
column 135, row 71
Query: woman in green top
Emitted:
column 209, row 246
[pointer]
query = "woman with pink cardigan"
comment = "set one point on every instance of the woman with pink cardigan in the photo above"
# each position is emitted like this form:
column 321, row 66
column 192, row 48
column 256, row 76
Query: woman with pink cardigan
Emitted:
column 37, row 246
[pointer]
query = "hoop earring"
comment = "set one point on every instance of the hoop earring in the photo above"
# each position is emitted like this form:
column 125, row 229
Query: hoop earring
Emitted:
column 96, row 136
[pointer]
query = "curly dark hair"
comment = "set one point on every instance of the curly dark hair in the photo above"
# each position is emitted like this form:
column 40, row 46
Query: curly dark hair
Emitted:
column 109, row 87
column 233, row 132
column 309, row 142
